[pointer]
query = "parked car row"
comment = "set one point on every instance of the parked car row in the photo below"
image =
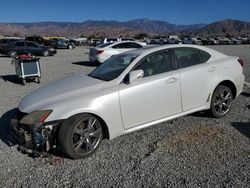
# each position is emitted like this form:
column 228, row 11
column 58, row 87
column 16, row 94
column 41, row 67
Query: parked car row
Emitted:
column 203, row 41
column 57, row 43
column 112, row 46
column 96, row 42
column 16, row 48
column 35, row 45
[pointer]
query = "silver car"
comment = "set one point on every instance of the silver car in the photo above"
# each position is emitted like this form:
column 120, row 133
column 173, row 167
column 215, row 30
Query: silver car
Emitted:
column 128, row 92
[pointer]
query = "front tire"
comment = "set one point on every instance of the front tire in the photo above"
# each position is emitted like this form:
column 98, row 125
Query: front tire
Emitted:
column 24, row 82
column 70, row 47
column 13, row 54
column 80, row 136
column 46, row 53
column 221, row 101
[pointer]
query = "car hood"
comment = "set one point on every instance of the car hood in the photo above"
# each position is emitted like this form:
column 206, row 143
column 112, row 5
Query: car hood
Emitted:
column 66, row 89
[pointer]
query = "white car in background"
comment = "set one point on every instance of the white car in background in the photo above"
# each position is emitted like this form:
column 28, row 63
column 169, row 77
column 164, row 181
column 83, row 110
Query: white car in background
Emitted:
column 109, row 40
column 102, row 52
column 128, row 92
column 192, row 40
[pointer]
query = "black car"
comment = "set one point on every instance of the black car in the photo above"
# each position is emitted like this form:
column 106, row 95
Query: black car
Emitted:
column 60, row 43
column 6, row 41
column 38, row 40
column 24, row 47
column 74, row 42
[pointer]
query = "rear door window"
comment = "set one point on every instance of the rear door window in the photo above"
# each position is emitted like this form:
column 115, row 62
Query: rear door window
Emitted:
column 121, row 46
column 205, row 56
column 127, row 45
column 187, row 57
column 135, row 45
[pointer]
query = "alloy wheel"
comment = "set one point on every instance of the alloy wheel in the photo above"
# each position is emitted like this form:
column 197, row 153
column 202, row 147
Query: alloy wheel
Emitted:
column 222, row 102
column 86, row 136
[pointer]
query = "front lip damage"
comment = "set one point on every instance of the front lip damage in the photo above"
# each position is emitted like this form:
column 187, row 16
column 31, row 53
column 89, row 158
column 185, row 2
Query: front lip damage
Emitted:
column 36, row 140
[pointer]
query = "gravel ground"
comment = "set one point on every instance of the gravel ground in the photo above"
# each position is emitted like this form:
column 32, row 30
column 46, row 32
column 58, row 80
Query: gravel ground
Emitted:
column 192, row 151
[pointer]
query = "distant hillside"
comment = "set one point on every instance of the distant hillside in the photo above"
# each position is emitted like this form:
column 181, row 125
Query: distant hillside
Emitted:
column 222, row 28
column 88, row 28
column 129, row 28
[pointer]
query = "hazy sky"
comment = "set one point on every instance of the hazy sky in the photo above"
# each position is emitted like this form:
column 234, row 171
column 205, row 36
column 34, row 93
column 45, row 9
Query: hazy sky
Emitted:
column 174, row 11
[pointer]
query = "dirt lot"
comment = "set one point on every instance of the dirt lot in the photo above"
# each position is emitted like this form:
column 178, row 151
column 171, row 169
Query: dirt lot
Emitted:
column 192, row 151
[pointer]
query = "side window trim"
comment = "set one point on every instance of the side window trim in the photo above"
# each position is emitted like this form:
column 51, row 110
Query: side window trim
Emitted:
column 174, row 59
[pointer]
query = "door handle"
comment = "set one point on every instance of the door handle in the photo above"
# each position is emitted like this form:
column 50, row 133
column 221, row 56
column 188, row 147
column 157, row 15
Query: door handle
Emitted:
column 171, row 80
column 211, row 69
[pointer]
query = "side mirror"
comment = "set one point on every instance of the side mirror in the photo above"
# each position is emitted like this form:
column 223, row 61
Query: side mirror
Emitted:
column 135, row 75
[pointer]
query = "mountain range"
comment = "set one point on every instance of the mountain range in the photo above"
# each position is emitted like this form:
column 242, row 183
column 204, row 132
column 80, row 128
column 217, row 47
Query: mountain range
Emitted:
column 129, row 28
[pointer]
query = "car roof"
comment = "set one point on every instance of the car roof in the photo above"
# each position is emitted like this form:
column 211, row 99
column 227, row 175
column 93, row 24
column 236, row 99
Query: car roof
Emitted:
column 125, row 41
column 107, row 45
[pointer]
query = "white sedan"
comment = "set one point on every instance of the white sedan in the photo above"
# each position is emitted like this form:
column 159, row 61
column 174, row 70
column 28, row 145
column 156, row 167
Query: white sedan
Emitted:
column 103, row 52
column 130, row 91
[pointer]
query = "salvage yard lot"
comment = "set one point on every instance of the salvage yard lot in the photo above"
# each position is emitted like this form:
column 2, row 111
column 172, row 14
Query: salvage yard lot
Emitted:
column 192, row 151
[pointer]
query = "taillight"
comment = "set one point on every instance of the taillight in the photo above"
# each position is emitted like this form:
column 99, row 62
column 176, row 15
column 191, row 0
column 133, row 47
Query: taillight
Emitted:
column 99, row 52
column 241, row 62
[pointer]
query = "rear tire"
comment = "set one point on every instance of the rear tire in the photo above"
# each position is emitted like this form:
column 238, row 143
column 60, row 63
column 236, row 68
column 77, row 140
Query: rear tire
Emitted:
column 80, row 136
column 24, row 82
column 221, row 101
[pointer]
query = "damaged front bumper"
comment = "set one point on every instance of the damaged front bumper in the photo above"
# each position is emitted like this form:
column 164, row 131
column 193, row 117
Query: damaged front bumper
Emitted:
column 35, row 139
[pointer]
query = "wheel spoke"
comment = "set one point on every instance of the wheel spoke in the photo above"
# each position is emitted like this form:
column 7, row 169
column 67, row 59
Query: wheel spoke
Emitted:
column 79, row 131
column 78, row 144
column 226, row 106
column 95, row 133
column 217, row 103
column 221, row 94
column 89, row 146
column 91, row 123
column 227, row 97
column 220, row 108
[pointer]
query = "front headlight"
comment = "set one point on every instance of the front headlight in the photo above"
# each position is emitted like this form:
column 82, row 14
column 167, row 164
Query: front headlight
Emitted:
column 35, row 117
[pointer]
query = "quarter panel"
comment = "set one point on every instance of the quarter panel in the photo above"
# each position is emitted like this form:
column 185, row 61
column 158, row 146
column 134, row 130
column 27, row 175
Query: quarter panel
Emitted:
column 197, row 84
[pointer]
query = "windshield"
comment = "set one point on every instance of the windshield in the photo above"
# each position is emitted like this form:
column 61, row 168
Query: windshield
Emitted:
column 113, row 67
